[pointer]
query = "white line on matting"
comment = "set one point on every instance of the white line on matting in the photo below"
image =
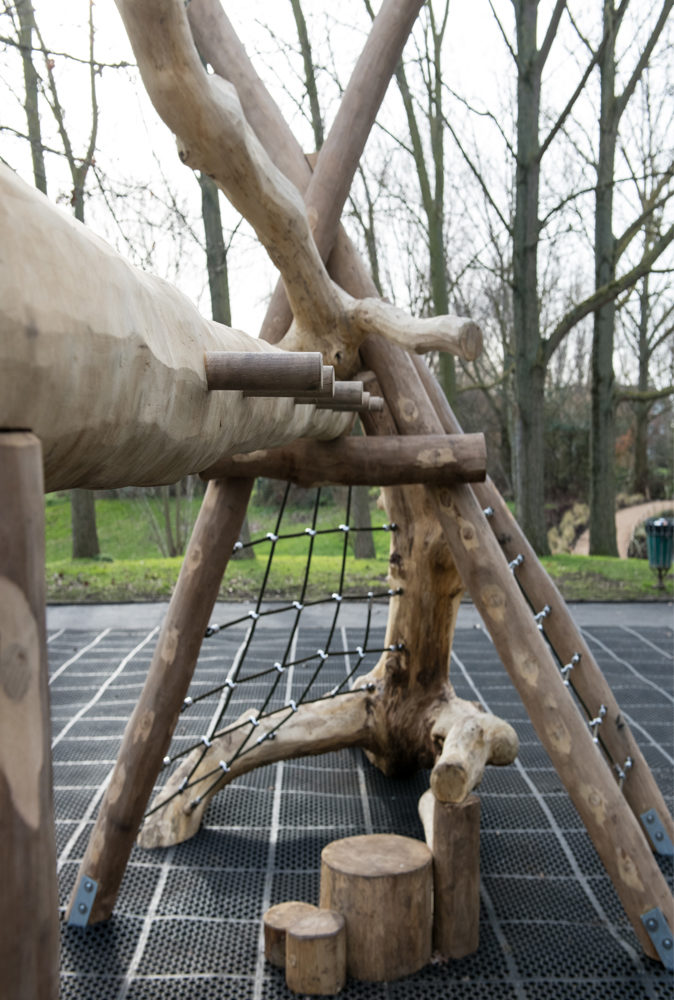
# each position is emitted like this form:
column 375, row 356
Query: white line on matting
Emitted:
column 106, row 684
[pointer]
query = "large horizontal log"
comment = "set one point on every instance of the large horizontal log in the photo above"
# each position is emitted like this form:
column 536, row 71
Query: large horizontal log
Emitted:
column 361, row 461
column 105, row 363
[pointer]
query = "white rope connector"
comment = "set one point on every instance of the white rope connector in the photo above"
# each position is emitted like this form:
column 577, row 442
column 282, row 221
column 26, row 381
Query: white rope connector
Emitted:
column 517, row 561
column 310, row 531
column 541, row 615
column 595, row 723
column 187, row 702
column 223, row 766
column 254, row 721
column 206, row 742
column 622, row 771
column 237, row 546
column 183, row 785
column 298, row 606
column 338, row 597
column 230, row 683
column 568, row 667
column 279, row 666
column 323, row 655
column 254, row 615
column 344, row 527
column 271, row 536
column 488, row 511
column 166, row 761
column 360, row 651
column 390, row 527
column 291, row 704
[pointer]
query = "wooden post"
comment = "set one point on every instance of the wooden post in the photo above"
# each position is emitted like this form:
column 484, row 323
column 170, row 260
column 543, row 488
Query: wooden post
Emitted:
column 29, row 919
column 151, row 726
column 452, row 832
column 316, row 954
column 382, row 884
column 276, row 922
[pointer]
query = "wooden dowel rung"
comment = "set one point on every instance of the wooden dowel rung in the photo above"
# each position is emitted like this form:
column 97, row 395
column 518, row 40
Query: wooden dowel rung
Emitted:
column 307, row 395
column 253, row 371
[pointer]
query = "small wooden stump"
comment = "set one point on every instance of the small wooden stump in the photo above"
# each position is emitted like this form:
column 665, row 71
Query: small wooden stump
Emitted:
column 276, row 922
column 453, row 835
column 316, row 954
column 383, row 886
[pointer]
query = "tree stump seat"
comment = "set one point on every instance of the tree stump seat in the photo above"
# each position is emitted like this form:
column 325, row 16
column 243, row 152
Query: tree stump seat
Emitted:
column 382, row 884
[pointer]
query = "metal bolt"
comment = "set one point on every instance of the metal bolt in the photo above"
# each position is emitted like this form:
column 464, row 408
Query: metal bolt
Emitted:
column 652, row 924
column 659, row 835
column 666, row 943
column 650, row 818
column 82, row 908
column 88, row 886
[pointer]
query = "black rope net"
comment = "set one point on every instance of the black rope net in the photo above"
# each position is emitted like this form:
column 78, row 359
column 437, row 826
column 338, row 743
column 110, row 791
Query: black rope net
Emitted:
column 265, row 684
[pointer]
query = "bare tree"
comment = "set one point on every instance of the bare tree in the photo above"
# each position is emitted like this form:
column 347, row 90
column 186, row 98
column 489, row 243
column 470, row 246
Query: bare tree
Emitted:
column 30, row 40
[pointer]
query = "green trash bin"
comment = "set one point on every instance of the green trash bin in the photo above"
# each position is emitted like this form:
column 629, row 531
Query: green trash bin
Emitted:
column 659, row 540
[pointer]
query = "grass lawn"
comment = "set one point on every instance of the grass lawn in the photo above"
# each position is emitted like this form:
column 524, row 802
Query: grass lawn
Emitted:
column 131, row 567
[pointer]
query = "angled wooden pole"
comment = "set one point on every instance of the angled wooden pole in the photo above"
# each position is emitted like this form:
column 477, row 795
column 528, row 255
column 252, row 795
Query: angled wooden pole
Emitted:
column 29, row 916
column 639, row 786
column 148, row 733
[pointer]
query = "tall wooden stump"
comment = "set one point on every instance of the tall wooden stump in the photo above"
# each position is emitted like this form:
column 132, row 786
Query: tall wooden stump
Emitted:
column 29, row 924
column 382, row 885
column 453, row 834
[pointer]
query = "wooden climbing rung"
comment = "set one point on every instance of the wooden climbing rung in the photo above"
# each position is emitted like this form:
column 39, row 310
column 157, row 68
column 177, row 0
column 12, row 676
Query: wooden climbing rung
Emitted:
column 263, row 371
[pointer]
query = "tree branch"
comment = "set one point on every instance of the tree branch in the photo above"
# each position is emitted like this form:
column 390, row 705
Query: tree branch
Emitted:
column 604, row 294
column 622, row 101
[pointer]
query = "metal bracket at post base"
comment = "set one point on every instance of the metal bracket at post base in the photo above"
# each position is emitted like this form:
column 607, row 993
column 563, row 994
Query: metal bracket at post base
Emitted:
column 656, row 833
column 83, row 902
column 661, row 936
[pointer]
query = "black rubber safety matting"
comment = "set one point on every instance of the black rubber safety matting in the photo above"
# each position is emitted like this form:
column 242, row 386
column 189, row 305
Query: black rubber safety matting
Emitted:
column 188, row 919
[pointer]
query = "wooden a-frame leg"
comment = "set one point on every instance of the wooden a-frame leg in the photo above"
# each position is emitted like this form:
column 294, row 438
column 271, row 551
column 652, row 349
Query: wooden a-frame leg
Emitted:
column 29, row 919
column 148, row 733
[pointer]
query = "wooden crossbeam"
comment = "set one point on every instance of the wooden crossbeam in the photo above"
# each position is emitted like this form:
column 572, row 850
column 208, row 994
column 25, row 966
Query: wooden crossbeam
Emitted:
column 360, row 461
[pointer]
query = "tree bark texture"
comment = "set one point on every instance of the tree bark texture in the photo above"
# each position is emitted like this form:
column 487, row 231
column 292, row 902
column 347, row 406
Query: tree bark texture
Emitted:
column 29, row 939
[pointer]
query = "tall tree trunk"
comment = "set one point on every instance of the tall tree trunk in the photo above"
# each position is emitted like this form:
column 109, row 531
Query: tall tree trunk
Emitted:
column 529, row 367
column 602, row 427
column 83, row 522
column 26, row 15
column 642, row 408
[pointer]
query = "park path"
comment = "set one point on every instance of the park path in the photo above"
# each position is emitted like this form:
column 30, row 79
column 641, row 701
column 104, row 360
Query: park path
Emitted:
column 626, row 521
